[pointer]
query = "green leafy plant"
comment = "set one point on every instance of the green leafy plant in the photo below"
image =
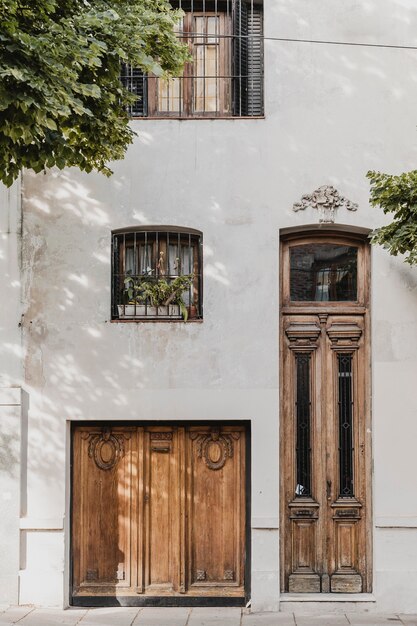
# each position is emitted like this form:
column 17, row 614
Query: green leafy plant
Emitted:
column 396, row 195
column 159, row 291
column 61, row 100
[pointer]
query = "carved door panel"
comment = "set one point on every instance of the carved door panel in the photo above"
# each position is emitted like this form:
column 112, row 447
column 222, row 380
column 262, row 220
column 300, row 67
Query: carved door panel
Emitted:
column 160, row 489
column 325, row 434
column 216, row 505
column 104, row 513
column 158, row 511
column 324, row 497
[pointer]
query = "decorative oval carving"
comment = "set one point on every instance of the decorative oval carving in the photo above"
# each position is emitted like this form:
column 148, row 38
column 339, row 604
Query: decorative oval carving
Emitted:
column 106, row 449
column 217, row 460
column 215, row 448
column 214, row 451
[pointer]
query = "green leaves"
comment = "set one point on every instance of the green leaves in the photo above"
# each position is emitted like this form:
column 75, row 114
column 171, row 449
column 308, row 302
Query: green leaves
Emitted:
column 396, row 195
column 158, row 291
column 61, row 101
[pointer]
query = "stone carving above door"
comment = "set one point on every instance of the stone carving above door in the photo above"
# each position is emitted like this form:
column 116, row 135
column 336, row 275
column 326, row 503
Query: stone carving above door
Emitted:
column 326, row 199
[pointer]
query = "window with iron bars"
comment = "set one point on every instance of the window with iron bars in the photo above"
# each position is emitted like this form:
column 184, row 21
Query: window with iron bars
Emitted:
column 157, row 274
column 225, row 78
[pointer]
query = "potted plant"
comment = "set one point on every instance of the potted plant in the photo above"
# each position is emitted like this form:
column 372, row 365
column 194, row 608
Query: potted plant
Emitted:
column 155, row 298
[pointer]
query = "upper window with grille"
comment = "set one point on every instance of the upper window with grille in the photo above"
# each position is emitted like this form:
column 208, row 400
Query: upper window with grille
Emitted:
column 225, row 77
column 156, row 274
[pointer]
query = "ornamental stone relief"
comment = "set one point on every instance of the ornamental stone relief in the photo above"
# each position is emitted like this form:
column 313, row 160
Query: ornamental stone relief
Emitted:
column 326, row 200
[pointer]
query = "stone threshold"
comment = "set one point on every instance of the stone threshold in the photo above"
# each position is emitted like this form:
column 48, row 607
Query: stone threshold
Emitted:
column 327, row 597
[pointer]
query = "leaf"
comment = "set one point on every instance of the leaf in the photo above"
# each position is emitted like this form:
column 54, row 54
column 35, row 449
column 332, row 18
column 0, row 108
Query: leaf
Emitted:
column 50, row 123
column 61, row 100
column 396, row 195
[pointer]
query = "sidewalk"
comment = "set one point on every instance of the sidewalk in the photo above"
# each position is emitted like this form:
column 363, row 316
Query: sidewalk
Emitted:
column 29, row 616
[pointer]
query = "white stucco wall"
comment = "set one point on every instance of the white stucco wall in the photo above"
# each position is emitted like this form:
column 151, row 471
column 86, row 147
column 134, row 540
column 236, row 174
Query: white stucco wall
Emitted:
column 332, row 113
column 10, row 391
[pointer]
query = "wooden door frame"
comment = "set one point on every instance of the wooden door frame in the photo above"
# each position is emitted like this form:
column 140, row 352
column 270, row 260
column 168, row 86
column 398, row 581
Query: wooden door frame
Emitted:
column 339, row 234
column 186, row 601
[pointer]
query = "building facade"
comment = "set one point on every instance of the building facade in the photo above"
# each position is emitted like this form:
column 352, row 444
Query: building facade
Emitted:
column 261, row 450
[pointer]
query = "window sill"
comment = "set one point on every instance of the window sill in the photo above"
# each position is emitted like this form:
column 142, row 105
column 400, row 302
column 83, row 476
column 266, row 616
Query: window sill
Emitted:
column 202, row 118
column 140, row 320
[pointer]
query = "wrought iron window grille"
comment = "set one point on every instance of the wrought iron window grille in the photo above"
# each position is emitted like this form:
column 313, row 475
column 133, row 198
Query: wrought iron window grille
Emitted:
column 303, row 425
column 345, row 405
column 226, row 76
column 157, row 274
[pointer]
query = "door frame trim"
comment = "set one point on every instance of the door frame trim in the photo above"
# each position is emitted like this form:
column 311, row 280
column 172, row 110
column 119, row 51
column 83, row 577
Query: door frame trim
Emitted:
column 360, row 235
column 160, row 601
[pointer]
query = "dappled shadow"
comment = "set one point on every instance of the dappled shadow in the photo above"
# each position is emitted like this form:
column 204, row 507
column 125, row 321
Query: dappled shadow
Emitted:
column 332, row 113
column 235, row 180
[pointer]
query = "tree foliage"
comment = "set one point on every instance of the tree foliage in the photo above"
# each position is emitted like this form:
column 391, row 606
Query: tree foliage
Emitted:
column 396, row 195
column 61, row 101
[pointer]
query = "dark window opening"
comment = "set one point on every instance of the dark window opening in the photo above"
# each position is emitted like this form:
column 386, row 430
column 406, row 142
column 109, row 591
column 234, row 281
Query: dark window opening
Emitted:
column 303, row 416
column 345, row 425
column 323, row 272
column 225, row 77
column 156, row 275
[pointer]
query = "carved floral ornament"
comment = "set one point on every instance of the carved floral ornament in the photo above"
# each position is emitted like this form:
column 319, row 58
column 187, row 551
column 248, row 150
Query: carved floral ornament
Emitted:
column 215, row 448
column 326, row 200
column 106, row 448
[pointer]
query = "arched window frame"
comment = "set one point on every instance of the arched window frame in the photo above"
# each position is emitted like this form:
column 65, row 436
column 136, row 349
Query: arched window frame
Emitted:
column 152, row 256
column 353, row 236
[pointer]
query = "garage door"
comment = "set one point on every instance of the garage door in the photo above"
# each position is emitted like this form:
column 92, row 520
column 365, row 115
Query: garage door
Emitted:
column 158, row 514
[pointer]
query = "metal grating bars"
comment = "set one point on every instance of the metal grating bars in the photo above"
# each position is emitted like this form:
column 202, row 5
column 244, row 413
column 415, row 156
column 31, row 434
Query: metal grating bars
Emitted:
column 156, row 274
column 225, row 77
column 303, row 416
column 345, row 425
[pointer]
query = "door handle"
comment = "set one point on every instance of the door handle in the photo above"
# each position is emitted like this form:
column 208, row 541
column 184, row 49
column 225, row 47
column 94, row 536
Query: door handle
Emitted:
column 329, row 489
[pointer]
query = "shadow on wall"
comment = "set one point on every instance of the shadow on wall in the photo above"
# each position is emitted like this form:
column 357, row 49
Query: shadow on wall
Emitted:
column 326, row 122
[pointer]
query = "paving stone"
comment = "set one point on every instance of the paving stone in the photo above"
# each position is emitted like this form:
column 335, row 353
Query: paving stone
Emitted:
column 371, row 619
column 174, row 616
column 268, row 619
column 50, row 617
column 205, row 616
column 115, row 616
column 13, row 614
column 321, row 620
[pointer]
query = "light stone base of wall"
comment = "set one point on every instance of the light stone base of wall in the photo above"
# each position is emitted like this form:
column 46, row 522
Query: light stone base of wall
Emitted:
column 10, row 463
column 265, row 565
column 397, row 591
column 42, row 588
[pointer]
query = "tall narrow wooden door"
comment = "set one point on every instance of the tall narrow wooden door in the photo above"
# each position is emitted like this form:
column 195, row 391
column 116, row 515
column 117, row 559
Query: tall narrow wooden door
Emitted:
column 158, row 511
column 325, row 429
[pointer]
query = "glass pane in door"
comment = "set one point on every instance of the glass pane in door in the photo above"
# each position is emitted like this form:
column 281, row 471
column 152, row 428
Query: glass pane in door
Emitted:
column 323, row 272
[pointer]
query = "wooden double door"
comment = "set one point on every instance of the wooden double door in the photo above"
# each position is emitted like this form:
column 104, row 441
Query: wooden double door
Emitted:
column 158, row 511
column 325, row 418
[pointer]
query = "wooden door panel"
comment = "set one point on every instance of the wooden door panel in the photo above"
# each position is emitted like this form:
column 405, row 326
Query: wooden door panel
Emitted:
column 104, row 531
column 304, row 576
column 346, row 578
column 216, row 504
column 324, row 517
column 158, row 511
column 162, row 488
column 303, row 474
